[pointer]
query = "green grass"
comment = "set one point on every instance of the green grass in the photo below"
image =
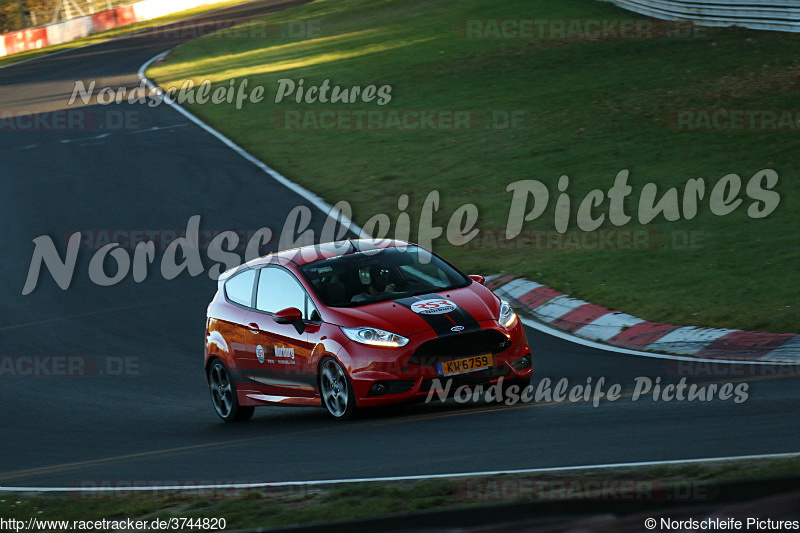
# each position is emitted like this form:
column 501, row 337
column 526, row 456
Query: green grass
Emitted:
column 116, row 32
column 324, row 504
column 242, row 509
column 590, row 109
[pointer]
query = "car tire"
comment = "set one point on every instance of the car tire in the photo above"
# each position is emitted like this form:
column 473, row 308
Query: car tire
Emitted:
column 223, row 395
column 335, row 389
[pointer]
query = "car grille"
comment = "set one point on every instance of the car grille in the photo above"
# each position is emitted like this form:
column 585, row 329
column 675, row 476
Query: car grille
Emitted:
column 458, row 346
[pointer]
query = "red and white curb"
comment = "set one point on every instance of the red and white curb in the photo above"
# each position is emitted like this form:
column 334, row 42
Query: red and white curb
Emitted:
column 598, row 324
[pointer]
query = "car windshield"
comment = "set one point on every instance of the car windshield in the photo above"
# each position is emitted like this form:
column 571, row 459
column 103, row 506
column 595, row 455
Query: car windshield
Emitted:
column 377, row 275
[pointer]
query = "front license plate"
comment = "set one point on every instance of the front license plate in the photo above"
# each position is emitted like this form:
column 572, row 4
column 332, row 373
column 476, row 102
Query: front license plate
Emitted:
column 469, row 364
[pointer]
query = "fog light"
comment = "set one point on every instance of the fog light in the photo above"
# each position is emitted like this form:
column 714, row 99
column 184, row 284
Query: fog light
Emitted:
column 378, row 388
column 522, row 363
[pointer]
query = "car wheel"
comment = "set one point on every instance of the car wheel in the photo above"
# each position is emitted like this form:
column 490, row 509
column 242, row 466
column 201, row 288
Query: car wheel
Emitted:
column 336, row 390
column 223, row 395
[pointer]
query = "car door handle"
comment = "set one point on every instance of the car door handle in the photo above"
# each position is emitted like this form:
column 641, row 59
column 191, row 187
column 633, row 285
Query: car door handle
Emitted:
column 254, row 327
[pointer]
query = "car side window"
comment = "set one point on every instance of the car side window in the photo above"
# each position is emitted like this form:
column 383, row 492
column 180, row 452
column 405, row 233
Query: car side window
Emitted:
column 239, row 289
column 277, row 290
column 311, row 311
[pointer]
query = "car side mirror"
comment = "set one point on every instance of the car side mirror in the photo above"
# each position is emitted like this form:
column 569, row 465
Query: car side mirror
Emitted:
column 477, row 278
column 290, row 315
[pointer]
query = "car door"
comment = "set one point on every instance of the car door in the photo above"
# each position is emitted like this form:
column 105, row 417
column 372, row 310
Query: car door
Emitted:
column 282, row 353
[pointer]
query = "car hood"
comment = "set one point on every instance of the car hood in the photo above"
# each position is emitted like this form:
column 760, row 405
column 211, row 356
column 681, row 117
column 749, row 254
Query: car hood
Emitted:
column 416, row 314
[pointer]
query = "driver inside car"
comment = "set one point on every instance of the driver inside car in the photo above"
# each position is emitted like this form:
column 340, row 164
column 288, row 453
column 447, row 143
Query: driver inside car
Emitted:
column 378, row 285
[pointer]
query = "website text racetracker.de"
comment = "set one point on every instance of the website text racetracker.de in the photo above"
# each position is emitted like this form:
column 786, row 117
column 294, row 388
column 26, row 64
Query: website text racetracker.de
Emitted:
column 611, row 239
column 122, row 524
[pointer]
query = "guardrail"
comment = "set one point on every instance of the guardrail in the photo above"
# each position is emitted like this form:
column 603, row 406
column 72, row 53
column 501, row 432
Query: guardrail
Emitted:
column 778, row 15
column 76, row 28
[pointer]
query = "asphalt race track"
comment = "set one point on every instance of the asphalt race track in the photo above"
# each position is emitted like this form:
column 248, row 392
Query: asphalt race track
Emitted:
column 155, row 422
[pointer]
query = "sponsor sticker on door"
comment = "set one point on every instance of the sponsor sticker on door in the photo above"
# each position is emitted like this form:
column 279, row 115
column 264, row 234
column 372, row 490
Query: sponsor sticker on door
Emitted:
column 288, row 353
column 260, row 353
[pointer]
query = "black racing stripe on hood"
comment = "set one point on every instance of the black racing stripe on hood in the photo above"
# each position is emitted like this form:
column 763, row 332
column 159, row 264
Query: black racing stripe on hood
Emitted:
column 459, row 315
column 462, row 318
column 440, row 324
column 444, row 323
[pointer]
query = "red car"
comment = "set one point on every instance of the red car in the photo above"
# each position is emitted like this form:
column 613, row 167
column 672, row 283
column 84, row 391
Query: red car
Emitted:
column 353, row 324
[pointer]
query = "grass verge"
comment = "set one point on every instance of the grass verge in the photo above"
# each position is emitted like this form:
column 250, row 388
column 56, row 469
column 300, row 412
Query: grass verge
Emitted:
column 325, row 503
column 589, row 108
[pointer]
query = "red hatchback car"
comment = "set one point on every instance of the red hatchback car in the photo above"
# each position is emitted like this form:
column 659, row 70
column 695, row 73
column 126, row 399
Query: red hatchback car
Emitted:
column 352, row 324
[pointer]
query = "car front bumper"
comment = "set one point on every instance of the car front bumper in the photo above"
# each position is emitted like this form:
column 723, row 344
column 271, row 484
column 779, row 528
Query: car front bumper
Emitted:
column 382, row 376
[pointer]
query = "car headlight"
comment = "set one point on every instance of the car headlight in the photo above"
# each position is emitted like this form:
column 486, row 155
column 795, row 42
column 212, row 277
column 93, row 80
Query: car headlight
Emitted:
column 375, row 337
column 507, row 314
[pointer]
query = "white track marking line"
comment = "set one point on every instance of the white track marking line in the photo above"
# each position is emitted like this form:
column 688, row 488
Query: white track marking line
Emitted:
column 602, row 466
column 158, row 128
column 101, row 136
column 312, row 198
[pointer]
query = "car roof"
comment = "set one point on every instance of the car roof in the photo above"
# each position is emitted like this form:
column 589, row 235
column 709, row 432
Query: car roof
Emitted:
column 315, row 252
